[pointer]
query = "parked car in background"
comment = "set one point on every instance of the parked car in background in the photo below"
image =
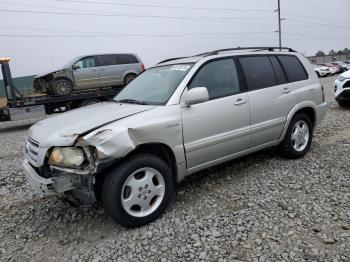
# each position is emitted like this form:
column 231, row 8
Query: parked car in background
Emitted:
column 177, row 118
column 322, row 71
column 332, row 68
column 342, row 89
column 91, row 71
column 343, row 66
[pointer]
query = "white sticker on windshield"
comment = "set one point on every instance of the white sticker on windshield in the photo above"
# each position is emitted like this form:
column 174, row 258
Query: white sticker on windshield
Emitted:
column 180, row 67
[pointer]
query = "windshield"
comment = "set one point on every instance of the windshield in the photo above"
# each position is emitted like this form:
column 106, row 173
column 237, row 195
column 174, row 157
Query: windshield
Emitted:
column 71, row 62
column 155, row 86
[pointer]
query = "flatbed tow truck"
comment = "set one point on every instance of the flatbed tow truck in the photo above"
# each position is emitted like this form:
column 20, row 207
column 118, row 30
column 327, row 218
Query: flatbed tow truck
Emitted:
column 17, row 106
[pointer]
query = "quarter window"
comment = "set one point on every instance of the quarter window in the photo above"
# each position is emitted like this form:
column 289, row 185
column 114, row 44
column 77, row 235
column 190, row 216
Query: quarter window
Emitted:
column 258, row 72
column 127, row 59
column 219, row 77
column 294, row 69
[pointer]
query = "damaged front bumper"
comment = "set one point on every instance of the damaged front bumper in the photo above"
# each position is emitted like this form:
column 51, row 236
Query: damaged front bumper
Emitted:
column 54, row 185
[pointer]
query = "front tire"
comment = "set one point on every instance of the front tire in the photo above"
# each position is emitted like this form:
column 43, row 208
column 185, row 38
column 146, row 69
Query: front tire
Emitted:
column 62, row 87
column 138, row 190
column 297, row 141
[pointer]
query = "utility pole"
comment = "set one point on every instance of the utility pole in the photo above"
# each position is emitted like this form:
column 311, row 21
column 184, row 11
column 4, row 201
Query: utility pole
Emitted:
column 279, row 24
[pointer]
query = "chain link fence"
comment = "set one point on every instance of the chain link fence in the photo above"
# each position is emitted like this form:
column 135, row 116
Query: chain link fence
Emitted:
column 23, row 84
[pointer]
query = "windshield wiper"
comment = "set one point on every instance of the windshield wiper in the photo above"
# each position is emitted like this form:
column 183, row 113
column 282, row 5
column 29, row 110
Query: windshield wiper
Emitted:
column 131, row 101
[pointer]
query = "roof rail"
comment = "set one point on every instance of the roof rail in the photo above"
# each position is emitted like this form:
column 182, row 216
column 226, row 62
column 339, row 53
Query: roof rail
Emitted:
column 266, row 48
column 171, row 59
column 216, row 52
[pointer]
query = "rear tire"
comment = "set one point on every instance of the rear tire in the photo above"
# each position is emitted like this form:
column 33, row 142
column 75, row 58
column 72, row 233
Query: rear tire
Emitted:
column 318, row 74
column 138, row 190
column 297, row 141
column 62, row 87
column 129, row 78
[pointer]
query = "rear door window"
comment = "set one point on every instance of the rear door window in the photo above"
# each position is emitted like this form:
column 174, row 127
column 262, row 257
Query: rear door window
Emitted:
column 281, row 78
column 294, row 69
column 258, row 72
column 107, row 60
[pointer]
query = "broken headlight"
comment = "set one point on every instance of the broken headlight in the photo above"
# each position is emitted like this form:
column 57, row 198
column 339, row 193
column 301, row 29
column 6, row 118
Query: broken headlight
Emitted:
column 67, row 156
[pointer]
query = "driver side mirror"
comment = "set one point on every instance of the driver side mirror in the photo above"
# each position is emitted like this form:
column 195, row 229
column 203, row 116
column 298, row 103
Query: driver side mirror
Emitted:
column 195, row 96
column 76, row 67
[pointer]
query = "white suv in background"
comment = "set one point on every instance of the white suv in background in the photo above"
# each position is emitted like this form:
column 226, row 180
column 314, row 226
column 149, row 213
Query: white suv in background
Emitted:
column 342, row 89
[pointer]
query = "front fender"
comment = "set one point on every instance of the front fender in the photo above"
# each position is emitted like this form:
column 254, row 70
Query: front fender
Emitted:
column 116, row 140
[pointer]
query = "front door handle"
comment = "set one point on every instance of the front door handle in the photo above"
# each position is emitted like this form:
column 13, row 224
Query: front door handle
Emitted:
column 240, row 101
column 286, row 90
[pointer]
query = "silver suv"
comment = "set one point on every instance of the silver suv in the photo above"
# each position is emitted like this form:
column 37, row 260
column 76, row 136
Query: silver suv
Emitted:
column 177, row 118
column 91, row 71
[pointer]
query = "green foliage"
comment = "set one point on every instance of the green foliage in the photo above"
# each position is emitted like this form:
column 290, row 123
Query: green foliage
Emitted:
column 320, row 53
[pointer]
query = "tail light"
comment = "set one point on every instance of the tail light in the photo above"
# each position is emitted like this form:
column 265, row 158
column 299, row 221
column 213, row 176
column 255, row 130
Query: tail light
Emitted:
column 323, row 96
column 142, row 67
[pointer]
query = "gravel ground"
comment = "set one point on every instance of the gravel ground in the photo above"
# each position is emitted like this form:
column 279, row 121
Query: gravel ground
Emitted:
column 257, row 208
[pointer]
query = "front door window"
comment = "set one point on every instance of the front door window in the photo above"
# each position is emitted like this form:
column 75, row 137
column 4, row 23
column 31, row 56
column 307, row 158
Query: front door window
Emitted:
column 87, row 62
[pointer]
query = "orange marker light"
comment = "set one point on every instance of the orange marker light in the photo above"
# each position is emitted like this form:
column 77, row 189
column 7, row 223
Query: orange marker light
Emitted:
column 57, row 156
column 4, row 60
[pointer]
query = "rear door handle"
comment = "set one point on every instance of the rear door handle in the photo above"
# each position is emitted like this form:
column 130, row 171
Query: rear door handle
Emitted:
column 240, row 101
column 286, row 90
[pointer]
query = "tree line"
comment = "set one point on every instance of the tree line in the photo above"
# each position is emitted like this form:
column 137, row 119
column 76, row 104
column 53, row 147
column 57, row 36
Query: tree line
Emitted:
column 345, row 51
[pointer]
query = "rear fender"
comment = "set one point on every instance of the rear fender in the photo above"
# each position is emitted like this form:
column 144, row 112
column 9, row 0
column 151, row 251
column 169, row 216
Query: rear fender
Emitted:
column 295, row 109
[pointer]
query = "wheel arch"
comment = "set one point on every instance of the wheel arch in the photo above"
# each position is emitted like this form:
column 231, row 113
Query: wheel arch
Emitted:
column 308, row 108
column 160, row 150
column 129, row 72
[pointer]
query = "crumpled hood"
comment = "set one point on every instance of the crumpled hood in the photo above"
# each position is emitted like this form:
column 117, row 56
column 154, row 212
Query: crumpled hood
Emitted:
column 64, row 129
column 50, row 72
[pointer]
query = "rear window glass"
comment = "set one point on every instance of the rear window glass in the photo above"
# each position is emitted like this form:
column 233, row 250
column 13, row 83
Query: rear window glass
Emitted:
column 294, row 69
column 127, row 59
column 258, row 72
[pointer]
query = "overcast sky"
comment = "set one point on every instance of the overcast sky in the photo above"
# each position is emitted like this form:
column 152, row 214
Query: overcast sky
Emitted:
column 190, row 27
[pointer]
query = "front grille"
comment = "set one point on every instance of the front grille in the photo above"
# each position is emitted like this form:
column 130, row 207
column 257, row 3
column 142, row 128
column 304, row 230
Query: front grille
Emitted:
column 347, row 84
column 32, row 150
